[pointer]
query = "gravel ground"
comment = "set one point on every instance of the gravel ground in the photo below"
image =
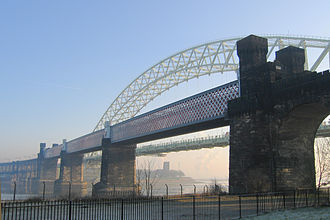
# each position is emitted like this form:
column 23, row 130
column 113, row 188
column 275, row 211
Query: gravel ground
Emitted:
column 301, row 213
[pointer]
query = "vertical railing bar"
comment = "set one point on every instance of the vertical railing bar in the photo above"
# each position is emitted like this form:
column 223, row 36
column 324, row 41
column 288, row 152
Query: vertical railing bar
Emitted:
column 22, row 210
column 39, row 213
column 122, row 209
column 14, row 198
column 257, row 201
column 162, row 209
column 54, row 210
column 33, row 208
column 219, row 206
column 12, row 211
column 48, row 213
column 194, row 211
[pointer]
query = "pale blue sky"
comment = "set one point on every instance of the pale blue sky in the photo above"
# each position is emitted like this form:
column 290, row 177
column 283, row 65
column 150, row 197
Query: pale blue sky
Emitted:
column 63, row 62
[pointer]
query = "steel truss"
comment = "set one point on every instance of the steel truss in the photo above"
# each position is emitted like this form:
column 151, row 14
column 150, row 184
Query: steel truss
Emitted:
column 214, row 57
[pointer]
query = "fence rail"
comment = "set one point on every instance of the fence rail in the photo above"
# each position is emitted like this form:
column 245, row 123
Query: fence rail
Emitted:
column 169, row 207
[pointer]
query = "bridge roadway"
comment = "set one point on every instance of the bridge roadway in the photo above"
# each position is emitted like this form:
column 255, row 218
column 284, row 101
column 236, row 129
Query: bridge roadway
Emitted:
column 198, row 143
column 92, row 142
column 203, row 111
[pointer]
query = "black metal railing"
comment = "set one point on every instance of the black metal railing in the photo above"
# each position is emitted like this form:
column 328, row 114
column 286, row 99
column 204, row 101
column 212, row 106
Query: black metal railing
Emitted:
column 202, row 206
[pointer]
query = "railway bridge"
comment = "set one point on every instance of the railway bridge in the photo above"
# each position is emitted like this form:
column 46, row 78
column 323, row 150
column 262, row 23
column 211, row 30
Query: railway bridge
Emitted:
column 273, row 109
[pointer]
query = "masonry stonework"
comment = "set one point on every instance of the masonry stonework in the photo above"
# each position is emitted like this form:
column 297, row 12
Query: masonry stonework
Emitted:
column 274, row 122
column 117, row 170
column 46, row 171
column 71, row 176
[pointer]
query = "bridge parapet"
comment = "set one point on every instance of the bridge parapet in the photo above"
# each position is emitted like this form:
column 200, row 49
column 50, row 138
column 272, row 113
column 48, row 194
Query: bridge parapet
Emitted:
column 298, row 85
column 208, row 105
column 86, row 143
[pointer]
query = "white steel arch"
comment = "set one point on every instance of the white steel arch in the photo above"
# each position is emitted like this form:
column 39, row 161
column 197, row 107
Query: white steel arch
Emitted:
column 209, row 58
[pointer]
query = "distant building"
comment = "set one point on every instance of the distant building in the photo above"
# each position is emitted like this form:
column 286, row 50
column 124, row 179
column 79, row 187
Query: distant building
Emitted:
column 166, row 165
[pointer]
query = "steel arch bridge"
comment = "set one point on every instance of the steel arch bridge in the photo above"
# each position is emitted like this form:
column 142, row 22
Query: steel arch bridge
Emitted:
column 205, row 59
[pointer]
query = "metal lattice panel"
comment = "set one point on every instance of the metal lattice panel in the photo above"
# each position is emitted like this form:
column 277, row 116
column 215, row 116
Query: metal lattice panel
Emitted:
column 204, row 106
column 214, row 57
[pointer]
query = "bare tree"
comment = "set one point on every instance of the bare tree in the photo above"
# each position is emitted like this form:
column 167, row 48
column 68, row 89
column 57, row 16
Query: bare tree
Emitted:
column 216, row 188
column 146, row 176
column 322, row 161
column 138, row 179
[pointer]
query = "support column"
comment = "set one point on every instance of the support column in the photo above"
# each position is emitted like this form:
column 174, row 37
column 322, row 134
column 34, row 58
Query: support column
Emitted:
column 117, row 170
column 251, row 154
column 71, row 176
column 46, row 175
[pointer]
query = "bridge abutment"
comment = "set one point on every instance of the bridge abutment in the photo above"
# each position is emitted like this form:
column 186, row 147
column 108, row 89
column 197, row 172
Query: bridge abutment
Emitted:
column 274, row 122
column 71, row 176
column 117, row 170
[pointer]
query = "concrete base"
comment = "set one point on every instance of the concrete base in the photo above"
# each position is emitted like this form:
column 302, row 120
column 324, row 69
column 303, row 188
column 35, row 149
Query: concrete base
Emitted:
column 62, row 189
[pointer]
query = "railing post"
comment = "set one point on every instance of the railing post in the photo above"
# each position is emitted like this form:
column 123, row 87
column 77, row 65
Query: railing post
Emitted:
column 14, row 198
column 283, row 200
column 150, row 190
column 318, row 196
column 166, row 190
column 181, row 190
column 240, row 206
column 70, row 191
column 306, row 197
column 43, row 190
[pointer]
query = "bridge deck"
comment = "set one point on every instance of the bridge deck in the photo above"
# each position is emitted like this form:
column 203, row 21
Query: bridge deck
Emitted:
column 199, row 112
column 195, row 110
column 190, row 114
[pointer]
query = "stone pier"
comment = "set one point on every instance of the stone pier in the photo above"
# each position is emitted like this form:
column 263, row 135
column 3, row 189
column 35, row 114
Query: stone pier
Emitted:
column 117, row 170
column 46, row 173
column 274, row 122
column 71, row 176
